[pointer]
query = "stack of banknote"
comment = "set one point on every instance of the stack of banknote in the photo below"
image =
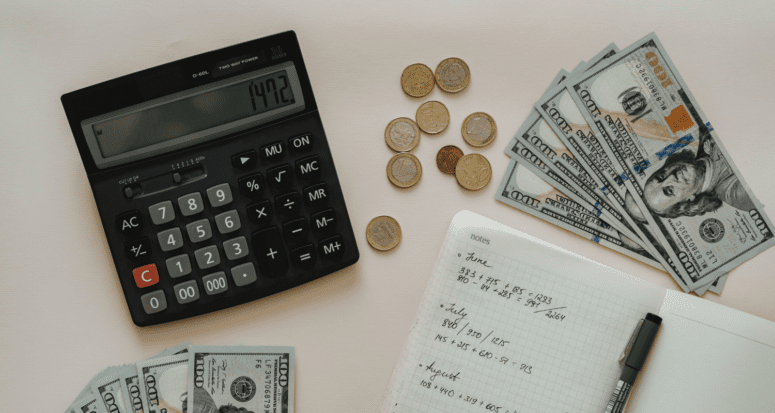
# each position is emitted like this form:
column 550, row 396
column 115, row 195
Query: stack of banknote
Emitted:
column 195, row 379
column 618, row 151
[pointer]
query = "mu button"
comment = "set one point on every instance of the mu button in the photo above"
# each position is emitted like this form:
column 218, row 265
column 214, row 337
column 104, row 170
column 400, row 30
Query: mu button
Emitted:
column 146, row 275
column 332, row 248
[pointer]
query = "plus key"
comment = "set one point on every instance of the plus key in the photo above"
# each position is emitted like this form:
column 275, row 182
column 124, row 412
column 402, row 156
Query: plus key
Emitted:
column 269, row 250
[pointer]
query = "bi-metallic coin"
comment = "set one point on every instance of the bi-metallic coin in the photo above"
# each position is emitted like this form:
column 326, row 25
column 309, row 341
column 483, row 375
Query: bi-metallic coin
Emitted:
column 447, row 158
column 404, row 170
column 479, row 129
column 383, row 233
column 473, row 171
column 417, row 80
column 452, row 75
column 432, row 117
column 402, row 135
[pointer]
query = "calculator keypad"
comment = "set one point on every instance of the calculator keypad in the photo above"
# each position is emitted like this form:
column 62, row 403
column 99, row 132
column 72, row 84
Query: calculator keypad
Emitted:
column 277, row 225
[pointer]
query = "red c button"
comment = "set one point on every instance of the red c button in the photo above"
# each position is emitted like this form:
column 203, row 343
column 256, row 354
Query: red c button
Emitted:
column 146, row 275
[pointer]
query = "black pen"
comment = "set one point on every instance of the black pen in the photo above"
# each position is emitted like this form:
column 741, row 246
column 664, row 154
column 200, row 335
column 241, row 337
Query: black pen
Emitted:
column 638, row 351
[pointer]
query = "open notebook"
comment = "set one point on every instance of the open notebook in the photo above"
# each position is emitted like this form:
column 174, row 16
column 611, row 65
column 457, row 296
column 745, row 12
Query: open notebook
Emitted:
column 510, row 323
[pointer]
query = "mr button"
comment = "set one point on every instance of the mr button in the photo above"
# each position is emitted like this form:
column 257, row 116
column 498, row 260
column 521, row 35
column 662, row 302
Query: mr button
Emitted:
column 316, row 195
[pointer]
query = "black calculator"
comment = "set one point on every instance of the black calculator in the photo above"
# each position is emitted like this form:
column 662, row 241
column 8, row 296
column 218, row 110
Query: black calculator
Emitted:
column 213, row 179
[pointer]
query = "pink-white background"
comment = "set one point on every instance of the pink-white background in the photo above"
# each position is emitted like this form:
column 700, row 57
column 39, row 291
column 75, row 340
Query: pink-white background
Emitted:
column 62, row 313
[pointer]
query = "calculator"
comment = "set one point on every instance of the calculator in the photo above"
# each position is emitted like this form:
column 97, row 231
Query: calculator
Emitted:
column 213, row 179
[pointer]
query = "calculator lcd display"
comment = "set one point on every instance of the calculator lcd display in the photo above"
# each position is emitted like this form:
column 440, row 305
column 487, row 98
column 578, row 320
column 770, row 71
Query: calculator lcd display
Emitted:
column 193, row 113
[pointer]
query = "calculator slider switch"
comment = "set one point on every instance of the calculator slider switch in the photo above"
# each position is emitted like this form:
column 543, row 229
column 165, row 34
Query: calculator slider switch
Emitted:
column 272, row 151
column 244, row 160
column 270, row 251
column 308, row 168
column 129, row 223
column 301, row 143
column 131, row 191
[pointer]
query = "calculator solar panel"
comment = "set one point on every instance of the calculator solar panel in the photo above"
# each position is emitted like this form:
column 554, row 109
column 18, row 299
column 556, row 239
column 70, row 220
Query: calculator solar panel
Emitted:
column 213, row 179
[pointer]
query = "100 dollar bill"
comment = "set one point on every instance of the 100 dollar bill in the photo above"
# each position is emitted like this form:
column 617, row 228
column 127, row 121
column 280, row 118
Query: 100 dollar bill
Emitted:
column 679, row 178
column 240, row 379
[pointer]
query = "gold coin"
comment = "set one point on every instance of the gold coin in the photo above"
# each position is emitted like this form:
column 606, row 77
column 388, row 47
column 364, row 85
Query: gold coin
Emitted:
column 479, row 129
column 404, row 170
column 402, row 135
column 383, row 233
column 447, row 158
column 452, row 75
column 473, row 171
column 432, row 117
column 417, row 80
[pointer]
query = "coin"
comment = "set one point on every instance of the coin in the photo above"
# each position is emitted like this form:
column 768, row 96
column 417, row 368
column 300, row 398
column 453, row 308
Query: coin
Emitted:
column 417, row 80
column 404, row 170
column 402, row 135
column 432, row 117
column 473, row 171
column 447, row 158
column 479, row 129
column 452, row 75
column 383, row 233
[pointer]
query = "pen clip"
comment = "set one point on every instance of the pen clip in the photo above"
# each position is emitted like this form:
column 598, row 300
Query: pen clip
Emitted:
column 630, row 343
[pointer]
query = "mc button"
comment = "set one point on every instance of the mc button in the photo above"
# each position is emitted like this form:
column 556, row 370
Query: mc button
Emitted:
column 308, row 168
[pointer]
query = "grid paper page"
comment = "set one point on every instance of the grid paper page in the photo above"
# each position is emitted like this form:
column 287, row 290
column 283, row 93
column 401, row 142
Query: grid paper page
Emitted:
column 511, row 324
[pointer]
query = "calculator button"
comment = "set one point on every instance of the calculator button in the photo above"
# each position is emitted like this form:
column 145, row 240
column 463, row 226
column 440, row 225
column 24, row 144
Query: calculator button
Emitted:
column 154, row 302
column 227, row 221
column 332, row 248
column 269, row 249
column 280, row 177
column 251, row 186
column 179, row 265
column 272, row 151
column 296, row 231
column 235, row 248
column 215, row 283
column 219, row 195
column 162, row 213
column 244, row 160
column 324, row 220
column 316, row 195
column 129, row 223
column 288, row 204
column 308, row 168
column 303, row 256
column 260, row 213
column 191, row 204
column 138, row 249
column 186, row 292
column 301, row 143
column 199, row 231
column 170, row 239
column 207, row 257
column 146, row 275
column 243, row 274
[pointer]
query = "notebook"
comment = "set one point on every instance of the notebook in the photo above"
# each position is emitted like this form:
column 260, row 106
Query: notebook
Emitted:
column 512, row 324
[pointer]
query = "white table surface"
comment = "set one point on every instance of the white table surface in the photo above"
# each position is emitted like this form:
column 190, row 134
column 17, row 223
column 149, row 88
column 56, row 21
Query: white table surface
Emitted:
column 62, row 312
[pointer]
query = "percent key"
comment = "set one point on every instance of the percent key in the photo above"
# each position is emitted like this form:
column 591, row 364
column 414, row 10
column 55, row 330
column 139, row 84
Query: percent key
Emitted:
column 252, row 185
